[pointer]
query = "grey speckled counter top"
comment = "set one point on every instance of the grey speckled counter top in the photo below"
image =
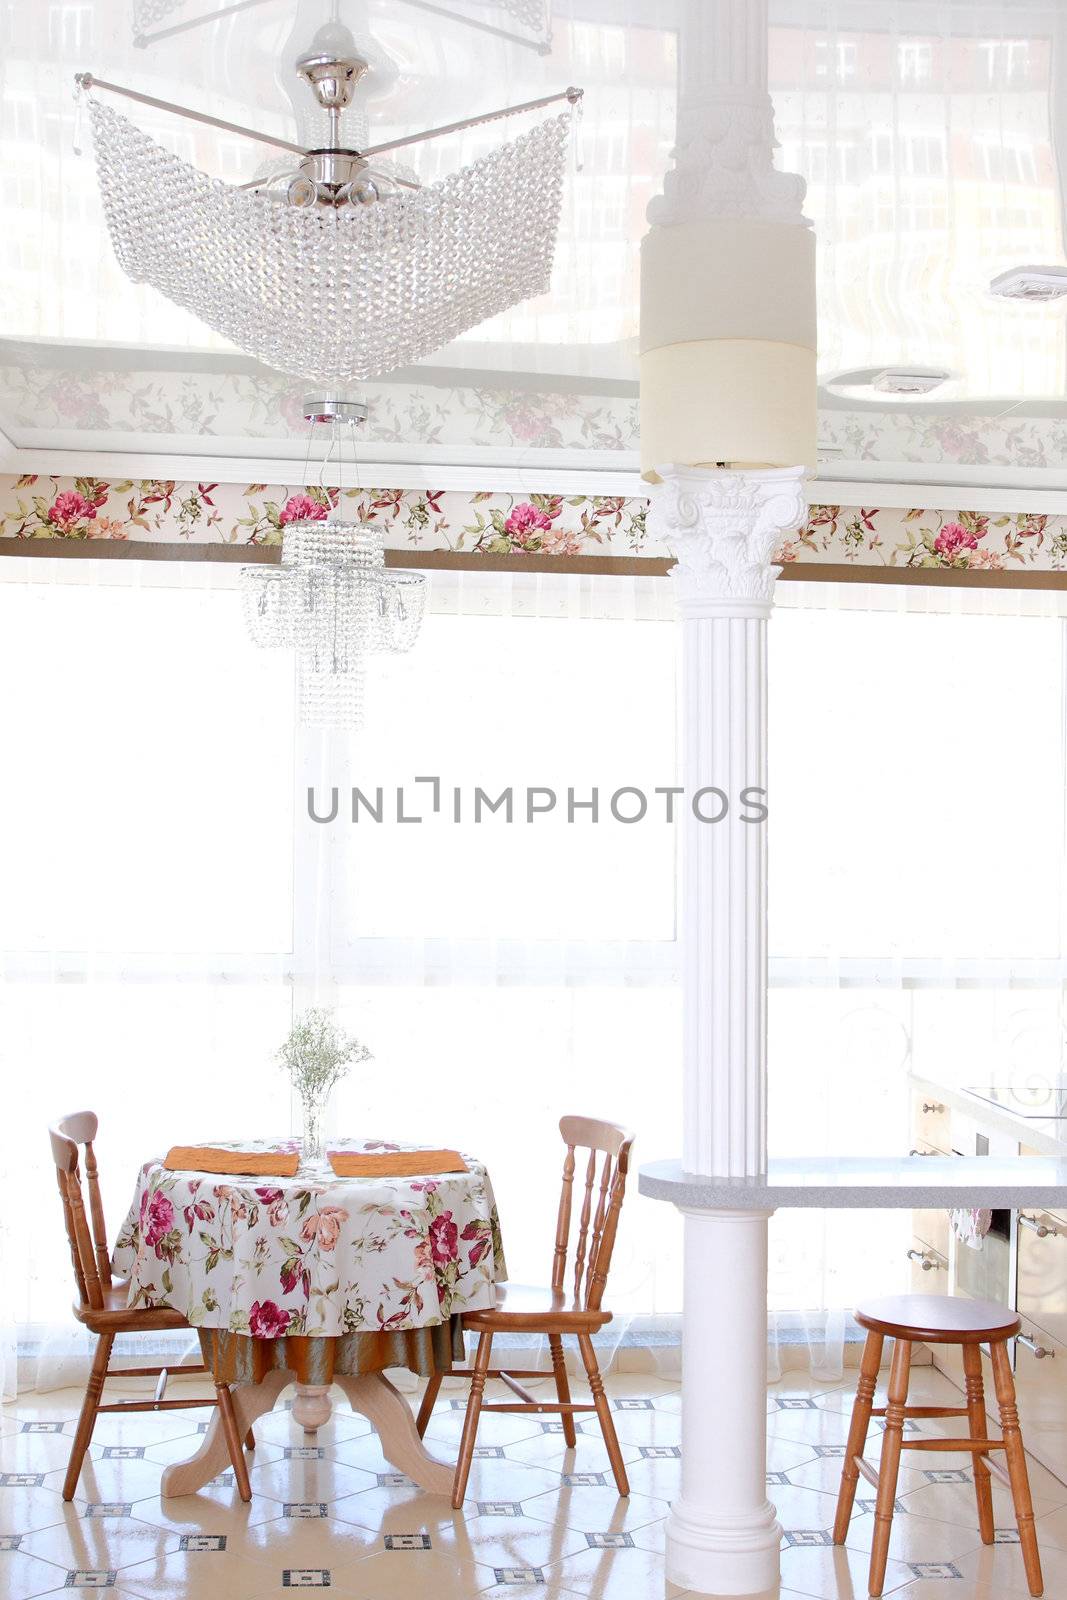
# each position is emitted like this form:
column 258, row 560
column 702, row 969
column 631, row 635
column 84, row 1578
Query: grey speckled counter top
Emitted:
column 875, row 1182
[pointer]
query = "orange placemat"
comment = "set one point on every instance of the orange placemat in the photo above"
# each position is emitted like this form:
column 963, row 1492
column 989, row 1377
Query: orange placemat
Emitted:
column 239, row 1163
column 395, row 1163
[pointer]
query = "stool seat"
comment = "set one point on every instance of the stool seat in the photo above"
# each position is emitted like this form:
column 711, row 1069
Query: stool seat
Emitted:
column 938, row 1319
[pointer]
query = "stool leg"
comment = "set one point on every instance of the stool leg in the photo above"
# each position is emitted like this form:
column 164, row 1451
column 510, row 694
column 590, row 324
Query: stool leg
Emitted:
column 857, row 1432
column 899, row 1374
column 979, row 1426
column 1016, row 1457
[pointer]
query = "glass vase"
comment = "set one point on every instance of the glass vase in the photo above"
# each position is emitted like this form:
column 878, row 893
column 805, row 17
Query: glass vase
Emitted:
column 313, row 1129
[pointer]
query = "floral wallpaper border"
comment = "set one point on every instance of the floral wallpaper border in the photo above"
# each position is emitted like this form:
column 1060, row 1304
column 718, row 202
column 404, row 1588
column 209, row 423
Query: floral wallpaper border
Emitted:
column 497, row 524
column 49, row 393
column 189, row 406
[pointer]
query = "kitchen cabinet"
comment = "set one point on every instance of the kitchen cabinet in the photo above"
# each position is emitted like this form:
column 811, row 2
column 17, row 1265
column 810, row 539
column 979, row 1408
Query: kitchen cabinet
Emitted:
column 1022, row 1263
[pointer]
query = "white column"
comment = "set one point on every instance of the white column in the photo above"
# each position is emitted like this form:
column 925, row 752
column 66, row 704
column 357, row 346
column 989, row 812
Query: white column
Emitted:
column 728, row 389
column 723, row 527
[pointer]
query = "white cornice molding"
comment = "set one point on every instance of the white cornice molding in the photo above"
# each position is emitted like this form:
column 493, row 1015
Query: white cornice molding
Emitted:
column 724, row 527
column 564, row 473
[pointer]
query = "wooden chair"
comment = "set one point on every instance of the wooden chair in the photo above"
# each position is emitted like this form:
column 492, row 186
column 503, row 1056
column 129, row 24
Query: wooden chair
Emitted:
column 101, row 1306
column 557, row 1310
column 937, row 1319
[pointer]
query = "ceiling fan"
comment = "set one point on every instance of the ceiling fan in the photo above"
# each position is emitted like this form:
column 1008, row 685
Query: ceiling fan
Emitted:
column 337, row 174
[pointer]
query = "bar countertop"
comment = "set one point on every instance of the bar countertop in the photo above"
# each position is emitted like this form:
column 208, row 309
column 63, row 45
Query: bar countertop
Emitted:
column 874, row 1182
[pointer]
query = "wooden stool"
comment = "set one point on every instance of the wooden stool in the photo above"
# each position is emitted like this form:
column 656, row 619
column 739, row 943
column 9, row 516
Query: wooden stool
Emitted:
column 937, row 1319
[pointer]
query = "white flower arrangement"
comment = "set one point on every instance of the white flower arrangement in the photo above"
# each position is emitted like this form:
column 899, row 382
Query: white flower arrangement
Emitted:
column 316, row 1055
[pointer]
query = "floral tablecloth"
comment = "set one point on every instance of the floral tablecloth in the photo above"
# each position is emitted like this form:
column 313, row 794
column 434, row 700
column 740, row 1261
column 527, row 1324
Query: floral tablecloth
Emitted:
column 312, row 1255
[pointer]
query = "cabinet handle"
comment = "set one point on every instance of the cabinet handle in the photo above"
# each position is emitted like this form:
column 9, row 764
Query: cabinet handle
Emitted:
column 928, row 1263
column 932, row 1105
column 1044, row 1230
column 922, row 1152
column 1038, row 1351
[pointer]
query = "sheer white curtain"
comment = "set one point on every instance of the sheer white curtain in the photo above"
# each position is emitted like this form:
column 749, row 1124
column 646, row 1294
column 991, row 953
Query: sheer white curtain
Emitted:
column 916, row 881
column 168, row 900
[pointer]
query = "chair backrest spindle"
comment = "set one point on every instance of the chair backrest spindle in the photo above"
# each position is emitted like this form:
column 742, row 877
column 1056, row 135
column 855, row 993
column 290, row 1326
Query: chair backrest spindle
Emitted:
column 88, row 1249
column 96, row 1214
column 563, row 1223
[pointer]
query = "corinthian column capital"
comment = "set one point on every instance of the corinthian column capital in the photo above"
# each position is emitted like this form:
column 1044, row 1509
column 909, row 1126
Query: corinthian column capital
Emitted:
column 724, row 164
column 723, row 527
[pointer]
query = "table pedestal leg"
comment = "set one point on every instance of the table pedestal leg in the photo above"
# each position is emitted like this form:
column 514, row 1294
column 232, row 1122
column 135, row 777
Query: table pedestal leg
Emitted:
column 312, row 1406
column 250, row 1400
column 390, row 1415
column 372, row 1395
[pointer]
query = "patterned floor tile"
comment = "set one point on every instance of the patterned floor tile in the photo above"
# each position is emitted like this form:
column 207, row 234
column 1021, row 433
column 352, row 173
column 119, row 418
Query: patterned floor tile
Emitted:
column 802, row 1509
column 303, row 1480
column 38, row 1452
column 115, row 1479
column 1000, row 1568
column 915, row 1538
column 659, row 1478
column 509, row 1480
column 521, row 1543
column 824, row 1472
column 278, row 1427
column 407, row 1575
column 23, row 1510
column 830, row 1572
column 809, row 1427
column 95, row 1543
column 315, row 1542
column 551, row 1450
column 217, row 1509
column 611, row 1574
column 493, row 1428
column 596, row 1510
column 24, row 1576
column 194, row 1575
column 785, row 1454
column 383, row 1510
column 954, row 1502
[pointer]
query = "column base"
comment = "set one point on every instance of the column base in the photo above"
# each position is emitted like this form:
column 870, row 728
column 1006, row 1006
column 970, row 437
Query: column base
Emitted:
column 717, row 1558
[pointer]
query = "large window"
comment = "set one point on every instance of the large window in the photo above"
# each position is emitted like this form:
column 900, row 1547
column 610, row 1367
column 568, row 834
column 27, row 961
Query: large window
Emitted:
column 168, row 901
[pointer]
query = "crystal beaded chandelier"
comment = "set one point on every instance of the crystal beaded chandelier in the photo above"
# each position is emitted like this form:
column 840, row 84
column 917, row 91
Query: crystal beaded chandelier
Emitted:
column 343, row 266
column 332, row 598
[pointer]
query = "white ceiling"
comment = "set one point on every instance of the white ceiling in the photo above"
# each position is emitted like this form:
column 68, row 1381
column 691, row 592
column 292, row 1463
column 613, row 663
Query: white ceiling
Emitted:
column 928, row 133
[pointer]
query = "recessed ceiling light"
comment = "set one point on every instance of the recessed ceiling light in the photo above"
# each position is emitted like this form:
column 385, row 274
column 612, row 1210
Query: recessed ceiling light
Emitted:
column 1030, row 283
column 909, row 380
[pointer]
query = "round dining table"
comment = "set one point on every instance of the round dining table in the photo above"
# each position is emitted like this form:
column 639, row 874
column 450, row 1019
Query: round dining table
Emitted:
column 315, row 1279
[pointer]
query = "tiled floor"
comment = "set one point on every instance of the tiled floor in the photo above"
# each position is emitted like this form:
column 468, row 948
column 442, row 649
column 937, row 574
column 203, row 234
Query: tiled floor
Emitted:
column 539, row 1521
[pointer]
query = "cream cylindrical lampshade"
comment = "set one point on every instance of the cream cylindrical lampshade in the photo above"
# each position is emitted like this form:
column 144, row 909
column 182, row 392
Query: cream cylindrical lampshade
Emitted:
column 728, row 345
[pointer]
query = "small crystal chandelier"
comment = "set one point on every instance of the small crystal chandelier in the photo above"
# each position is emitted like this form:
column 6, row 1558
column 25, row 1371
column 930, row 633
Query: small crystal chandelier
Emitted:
column 342, row 265
column 332, row 599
